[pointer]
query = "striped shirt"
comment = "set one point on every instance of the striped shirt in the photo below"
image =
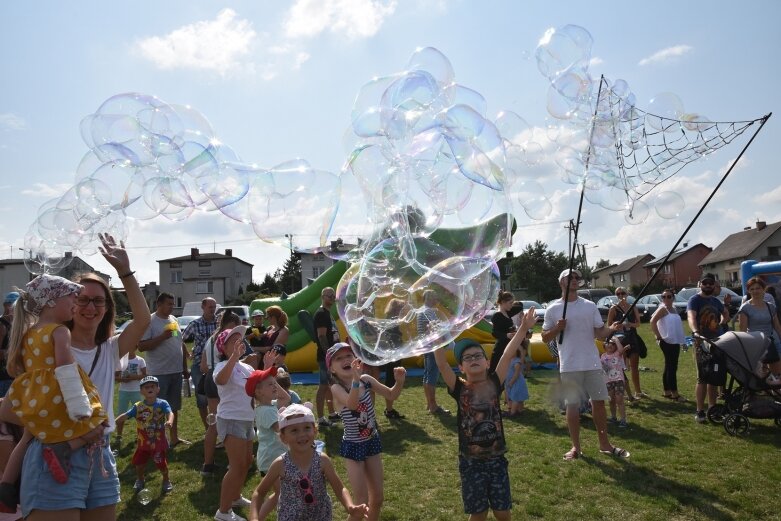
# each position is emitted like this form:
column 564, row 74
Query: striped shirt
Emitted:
column 360, row 424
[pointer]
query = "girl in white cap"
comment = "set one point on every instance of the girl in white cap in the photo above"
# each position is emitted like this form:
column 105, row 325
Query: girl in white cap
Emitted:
column 52, row 397
column 302, row 472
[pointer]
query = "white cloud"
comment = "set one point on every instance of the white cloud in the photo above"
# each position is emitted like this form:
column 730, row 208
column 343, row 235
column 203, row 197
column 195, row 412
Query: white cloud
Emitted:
column 771, row 197
column 596, row 60
column 47, row 191
column 9, row 121
column 354, row 18
column 666, row 54
column 216, row 45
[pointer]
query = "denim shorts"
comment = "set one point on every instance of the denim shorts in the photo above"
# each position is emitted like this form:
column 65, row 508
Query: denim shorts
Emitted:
column 171, row 389
column 86, row 488
column 430, row 369
column 244, row 430
column 485, row 483
column 325, row 378
column 579, row 386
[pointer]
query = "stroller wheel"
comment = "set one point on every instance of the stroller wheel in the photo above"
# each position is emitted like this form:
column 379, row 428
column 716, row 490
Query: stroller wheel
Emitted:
column 716, row 413
column 736, row 424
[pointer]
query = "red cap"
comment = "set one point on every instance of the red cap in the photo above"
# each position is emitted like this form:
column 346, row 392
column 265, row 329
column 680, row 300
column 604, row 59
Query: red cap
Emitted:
column 256, row 377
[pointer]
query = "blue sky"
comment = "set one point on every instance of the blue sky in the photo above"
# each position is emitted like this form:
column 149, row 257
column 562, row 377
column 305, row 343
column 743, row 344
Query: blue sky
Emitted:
column 277, row 81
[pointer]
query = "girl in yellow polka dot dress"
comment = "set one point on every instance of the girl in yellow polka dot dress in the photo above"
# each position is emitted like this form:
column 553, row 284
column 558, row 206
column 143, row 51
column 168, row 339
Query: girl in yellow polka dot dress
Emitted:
column 51, row 395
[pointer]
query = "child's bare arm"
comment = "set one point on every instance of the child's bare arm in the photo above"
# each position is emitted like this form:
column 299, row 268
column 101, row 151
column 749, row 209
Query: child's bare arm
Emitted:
column 504, row 362
column 390, row 393
column 341, row 492
column 440, row 356
column 263, row 488
column 62, row 346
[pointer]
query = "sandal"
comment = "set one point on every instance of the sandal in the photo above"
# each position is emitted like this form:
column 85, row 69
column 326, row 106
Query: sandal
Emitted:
column 393, row 414
column 572, row 454
column 616, row 451
column 58, row 458
column 678, row 398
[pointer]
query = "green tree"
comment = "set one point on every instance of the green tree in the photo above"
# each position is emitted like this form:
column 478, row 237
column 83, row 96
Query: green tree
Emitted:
column 602, row 263
column 537, row 270
column 289, row 276
column 269, row 285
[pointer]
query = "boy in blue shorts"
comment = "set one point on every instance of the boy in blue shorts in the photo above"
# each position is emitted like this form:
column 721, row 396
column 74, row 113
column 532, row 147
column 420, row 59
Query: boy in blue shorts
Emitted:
column 152, row 416
column 485, row 481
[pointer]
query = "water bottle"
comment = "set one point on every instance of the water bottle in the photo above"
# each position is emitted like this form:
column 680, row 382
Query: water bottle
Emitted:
column 687, row 343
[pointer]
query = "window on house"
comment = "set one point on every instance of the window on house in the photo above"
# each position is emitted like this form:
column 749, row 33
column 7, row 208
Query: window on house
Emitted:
column 622, row 278
column 204, row 287
column 204, row 273
column 772, row 251
column 318, row 257
column 175, row 265
column 317, row 271
column 667, row 269
column 176, row 277
column 205, row 263
column 178, row 302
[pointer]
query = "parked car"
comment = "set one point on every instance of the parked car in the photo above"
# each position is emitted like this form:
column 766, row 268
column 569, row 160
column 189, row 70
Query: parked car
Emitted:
column 539, row 311
column 605, row 303
column 652, row 303
column 687, row 293
column 122, row 327
column 594, row 294
column 241, row 311
column 184, row 320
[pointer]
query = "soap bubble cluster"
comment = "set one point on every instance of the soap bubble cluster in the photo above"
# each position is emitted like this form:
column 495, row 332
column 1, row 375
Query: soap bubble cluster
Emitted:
column 148, row 158
column 439, row 178
column 612, row 149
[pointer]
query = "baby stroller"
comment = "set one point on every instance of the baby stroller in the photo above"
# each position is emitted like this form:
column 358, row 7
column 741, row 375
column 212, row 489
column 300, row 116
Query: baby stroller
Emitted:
column 746, row 394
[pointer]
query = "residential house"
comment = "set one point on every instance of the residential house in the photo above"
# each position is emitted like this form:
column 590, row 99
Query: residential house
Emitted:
column 315, row 264
column 681, row 269
column 13, row 272
column 199, row 275
column 630, row 271
column 761, row 243
column 600, row 277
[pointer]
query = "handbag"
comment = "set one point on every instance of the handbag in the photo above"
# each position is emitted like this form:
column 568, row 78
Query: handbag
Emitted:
column 202, row 382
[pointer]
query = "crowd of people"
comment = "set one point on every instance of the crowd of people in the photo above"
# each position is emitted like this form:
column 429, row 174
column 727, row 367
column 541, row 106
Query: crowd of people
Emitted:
column 63, row 360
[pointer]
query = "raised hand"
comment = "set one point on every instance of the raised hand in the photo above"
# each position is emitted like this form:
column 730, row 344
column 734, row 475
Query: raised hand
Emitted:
column 114, row 253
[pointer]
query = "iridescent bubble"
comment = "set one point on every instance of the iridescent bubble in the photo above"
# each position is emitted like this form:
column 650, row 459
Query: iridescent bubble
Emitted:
column 560, row 49
column 669, row 205
column 636, row 212
column 668, row 107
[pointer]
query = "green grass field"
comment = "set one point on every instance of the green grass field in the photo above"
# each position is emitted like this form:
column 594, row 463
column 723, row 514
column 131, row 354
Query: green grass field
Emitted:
column 678, row 468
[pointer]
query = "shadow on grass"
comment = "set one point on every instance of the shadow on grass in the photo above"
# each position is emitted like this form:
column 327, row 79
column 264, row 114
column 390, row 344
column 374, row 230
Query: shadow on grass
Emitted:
column 645, row 482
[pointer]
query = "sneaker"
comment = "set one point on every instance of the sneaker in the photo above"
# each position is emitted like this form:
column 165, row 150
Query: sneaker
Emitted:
column 700, row 417
column 334, row 417
column 139, row 485
column 622, row 424
column 208, row 470
column 612, row 420
column 167, row 487
column 227, row 516
column 242, row 502
column 219, row 445
column 393, row 414
column 324, row 422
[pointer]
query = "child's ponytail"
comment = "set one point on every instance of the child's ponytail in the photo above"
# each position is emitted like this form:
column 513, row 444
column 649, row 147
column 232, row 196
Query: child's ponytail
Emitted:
column 23, row 319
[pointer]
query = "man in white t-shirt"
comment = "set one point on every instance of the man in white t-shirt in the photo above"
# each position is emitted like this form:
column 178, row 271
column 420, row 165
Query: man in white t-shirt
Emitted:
column 579, row 364
column 164, row 353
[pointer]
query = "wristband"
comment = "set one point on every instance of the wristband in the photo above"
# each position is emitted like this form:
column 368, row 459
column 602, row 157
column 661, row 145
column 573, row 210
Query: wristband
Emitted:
column 128, row 274
column 356, row 385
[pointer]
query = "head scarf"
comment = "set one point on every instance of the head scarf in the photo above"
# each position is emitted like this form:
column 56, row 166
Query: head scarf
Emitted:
column 44, row 289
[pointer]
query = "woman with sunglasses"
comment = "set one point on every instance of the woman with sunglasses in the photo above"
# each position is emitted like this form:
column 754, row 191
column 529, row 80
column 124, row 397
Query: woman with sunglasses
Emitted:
column 617, row 313
column 92, row 490
column 667, row 327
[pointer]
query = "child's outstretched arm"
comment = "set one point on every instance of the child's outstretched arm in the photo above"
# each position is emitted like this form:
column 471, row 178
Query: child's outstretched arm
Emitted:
column 342, row 494
column 445, row 370
column 520, row 334
column 351, row 398
column 264, row 487
column 389, row 393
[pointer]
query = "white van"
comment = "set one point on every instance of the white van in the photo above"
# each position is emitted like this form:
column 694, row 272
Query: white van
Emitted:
column 241, row 311
column 193, row 309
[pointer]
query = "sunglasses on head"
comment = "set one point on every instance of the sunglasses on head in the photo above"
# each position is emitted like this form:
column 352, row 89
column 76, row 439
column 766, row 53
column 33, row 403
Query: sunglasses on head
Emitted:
column 306, row 489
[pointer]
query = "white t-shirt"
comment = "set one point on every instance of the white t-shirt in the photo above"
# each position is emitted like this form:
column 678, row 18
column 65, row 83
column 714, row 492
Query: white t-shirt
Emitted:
column 577, row 352
column 131, row 367
column 208, row 348
column 103, row 374
column 166, row 358
column 234, row 402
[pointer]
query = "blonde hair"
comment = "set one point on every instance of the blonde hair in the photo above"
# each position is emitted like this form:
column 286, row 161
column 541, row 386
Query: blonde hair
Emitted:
column 23, row 320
